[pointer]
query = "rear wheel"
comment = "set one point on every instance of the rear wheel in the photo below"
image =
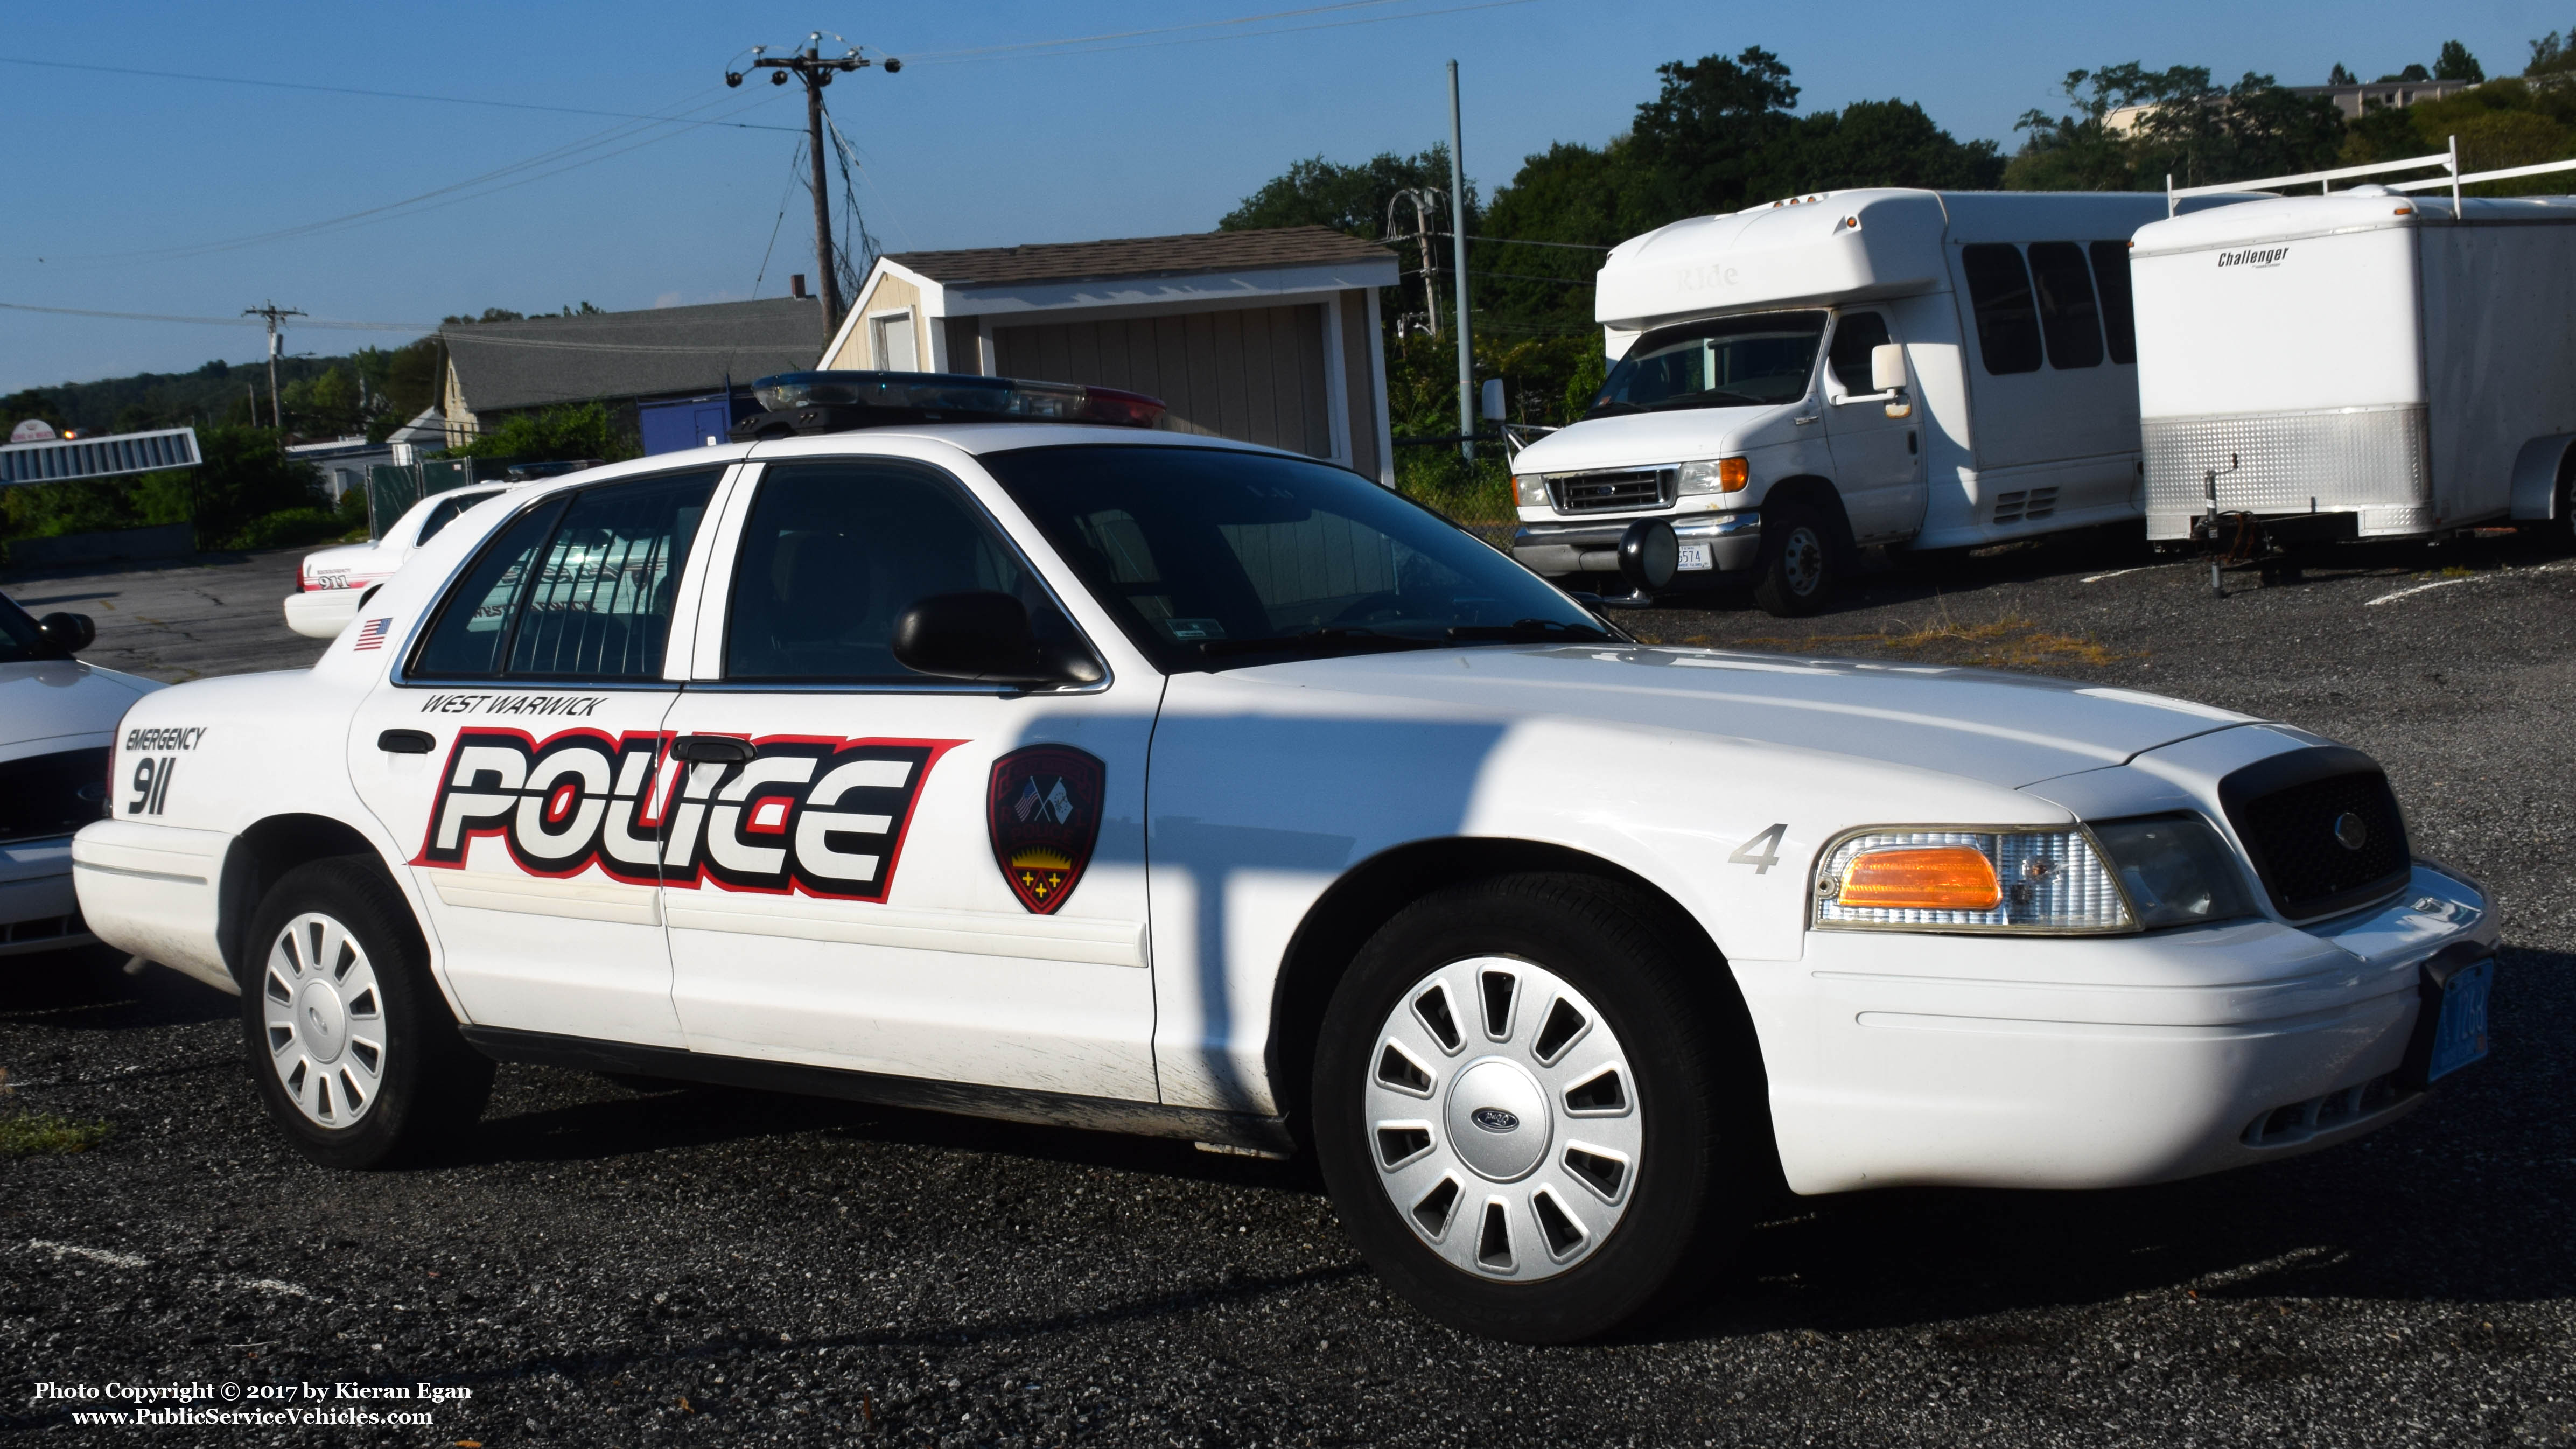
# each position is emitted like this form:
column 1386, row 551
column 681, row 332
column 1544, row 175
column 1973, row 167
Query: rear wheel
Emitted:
column 358, row 1057
column 1523, row 1110
column 1801, row 561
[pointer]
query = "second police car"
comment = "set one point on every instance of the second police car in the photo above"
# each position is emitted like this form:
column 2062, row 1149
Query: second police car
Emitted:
column 1069, row 772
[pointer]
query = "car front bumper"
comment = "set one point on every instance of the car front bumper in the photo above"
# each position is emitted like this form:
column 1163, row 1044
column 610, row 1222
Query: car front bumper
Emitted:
column 1553, row 550
column 38, row 909
column 2096, row 1062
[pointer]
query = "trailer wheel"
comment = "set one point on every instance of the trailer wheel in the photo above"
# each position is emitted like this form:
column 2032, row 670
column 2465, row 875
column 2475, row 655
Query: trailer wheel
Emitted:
column 1800, row 564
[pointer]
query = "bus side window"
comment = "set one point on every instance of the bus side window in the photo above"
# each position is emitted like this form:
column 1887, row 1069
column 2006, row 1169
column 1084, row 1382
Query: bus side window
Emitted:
column 2119, row 314
column 2066, row 311
column 2007, row 318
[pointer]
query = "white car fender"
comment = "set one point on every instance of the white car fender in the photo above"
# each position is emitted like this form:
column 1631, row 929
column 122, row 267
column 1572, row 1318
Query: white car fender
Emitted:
column 1251, row 791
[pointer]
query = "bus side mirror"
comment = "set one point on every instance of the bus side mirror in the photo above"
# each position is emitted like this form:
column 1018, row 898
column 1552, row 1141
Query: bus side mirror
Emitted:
column 1493, row 400
column 1887, row 367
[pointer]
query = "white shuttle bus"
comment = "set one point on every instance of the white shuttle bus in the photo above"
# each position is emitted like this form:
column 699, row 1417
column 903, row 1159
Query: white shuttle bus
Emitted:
column 2366, row 364
column 1788, row 383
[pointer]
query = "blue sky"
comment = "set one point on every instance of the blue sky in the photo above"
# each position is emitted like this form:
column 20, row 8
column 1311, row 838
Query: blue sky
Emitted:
column 120, row 182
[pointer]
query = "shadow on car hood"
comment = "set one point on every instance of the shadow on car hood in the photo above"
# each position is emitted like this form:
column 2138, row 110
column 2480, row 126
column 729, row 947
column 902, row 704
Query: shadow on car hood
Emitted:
column 2003, row 729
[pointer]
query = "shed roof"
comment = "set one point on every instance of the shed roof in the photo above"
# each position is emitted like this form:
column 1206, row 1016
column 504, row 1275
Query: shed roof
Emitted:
column 504, row 365
column 1143, row 256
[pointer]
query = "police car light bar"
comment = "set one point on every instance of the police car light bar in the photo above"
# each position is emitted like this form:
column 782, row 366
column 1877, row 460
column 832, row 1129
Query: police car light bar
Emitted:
column 830, row 402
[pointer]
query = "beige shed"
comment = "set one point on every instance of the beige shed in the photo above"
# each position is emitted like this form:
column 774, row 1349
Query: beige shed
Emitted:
column 1261, row 336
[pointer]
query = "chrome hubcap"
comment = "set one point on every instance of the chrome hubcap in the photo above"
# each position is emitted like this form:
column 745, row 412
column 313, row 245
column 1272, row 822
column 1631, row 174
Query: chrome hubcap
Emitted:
column 325, row 1020
column 1503, row 1119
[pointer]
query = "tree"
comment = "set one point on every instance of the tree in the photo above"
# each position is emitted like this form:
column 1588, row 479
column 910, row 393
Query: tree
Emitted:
column 1878, row 143
column 2340, row 77
column 2552, row 55
column 19, row 407
column 247, row 476
column 1353, row 199
column 556, row 435
column 2456, row 64
column 1701, row 140
column 2410, row 73
column 2177, row 125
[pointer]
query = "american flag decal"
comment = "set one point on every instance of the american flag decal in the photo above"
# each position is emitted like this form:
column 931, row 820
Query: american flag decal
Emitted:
column 371, row 634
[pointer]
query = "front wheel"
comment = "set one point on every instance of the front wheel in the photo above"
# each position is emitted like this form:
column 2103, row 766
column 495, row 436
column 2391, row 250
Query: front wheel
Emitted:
column 1522, row 1108
column 357, row 1055
column 1799, row 563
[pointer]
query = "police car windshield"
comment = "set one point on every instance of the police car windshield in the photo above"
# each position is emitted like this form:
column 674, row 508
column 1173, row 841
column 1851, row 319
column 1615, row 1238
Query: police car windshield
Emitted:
column 1212, row 558
column 1723, row 362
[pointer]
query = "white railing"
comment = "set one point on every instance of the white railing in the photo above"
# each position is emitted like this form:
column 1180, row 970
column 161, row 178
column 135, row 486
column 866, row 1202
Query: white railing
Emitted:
column 2324, row 181
column 2449, row 161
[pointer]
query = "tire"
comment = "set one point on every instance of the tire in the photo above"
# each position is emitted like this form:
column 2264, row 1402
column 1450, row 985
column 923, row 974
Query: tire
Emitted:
column 1801, row 561
column 1530, row 1185
column 357, row 1056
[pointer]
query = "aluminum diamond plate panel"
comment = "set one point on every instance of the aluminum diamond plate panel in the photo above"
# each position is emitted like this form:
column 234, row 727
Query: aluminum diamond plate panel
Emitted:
column 2373, row 460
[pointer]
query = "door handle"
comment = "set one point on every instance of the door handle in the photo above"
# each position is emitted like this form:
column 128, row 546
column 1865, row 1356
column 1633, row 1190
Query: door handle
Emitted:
column 406, row 742
column 1809, row 418
column 712, row 750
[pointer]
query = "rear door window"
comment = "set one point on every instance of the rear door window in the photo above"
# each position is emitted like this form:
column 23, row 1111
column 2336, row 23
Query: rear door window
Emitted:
column 2007, row 316
column 835, row 552
column 575, row 588
column 2119, row 313
column 2067, row 314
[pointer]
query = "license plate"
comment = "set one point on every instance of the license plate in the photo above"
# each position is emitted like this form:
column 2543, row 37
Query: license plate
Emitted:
column 2460, row 1037
column 1695, row 557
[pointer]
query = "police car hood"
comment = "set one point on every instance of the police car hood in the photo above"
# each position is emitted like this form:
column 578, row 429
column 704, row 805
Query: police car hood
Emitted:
column 2003, row 729
column 45, row 704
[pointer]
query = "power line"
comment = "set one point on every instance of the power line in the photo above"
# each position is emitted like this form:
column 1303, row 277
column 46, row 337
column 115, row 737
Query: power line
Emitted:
column 235, row 80
column 453, row 193
column 243, row 321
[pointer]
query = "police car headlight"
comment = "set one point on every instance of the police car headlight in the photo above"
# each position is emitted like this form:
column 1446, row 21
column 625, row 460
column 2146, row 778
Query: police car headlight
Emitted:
column 1968, row 879
column 2109, row 876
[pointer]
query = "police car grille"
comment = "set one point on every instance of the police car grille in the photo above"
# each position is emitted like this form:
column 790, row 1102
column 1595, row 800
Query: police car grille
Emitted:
column 2306, row 868
column 1608, row 492
column 52, row 794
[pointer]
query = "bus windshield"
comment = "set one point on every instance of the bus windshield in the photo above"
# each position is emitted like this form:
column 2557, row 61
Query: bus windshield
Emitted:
column 1719, row 362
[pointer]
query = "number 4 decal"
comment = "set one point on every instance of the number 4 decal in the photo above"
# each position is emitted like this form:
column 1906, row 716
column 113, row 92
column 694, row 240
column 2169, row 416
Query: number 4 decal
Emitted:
column 1761, row 852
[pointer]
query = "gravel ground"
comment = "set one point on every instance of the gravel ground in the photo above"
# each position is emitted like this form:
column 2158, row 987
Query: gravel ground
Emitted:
column 603, row 1266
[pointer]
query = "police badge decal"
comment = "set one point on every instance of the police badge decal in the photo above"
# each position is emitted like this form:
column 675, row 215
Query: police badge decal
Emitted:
column 1044, row 809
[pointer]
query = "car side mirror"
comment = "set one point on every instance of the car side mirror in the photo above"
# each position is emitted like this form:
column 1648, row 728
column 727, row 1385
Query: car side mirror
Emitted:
column 70, row 633
column 985, row 637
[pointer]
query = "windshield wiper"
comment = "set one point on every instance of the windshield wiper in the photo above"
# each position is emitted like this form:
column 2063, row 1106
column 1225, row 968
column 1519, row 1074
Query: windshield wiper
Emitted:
column 1530, row 631
column 1713, row 398
column 1315, row 641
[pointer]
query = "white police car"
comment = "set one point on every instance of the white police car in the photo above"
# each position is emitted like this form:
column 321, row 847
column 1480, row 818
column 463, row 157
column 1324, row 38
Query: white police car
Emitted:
column 56, row 718
column 1138, row 781
column 330, row 582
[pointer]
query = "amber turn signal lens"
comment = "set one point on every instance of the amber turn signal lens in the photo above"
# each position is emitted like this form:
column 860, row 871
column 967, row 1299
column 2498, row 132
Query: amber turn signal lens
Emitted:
column 1733, row 474
column 1922, row 878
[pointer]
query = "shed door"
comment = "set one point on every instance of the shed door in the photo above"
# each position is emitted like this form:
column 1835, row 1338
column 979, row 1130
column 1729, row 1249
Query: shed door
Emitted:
column 1255, row 375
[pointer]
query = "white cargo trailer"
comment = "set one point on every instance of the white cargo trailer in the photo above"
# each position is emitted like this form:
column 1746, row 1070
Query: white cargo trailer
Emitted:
column 2365, row 364
column 1744, row 410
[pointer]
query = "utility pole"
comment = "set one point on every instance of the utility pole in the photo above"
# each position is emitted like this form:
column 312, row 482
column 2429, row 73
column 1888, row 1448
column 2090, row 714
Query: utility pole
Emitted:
column 275, row 314
column 810, row 66
column 1422, row 198
column 1458, row 236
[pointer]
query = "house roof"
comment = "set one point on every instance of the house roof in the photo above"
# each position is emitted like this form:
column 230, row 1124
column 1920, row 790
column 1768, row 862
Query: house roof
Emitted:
column 1142, row 256
column 666, row 350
